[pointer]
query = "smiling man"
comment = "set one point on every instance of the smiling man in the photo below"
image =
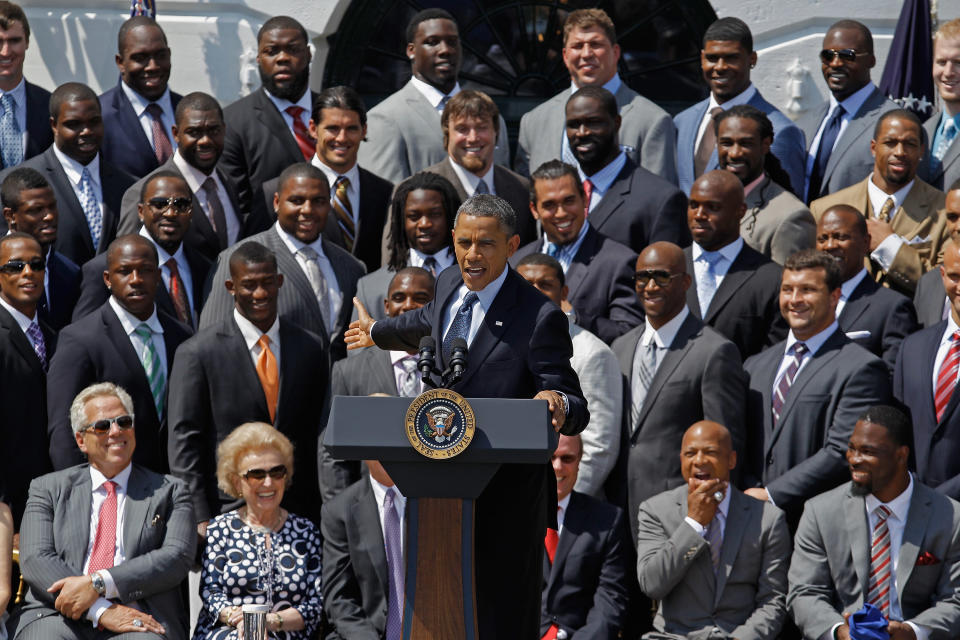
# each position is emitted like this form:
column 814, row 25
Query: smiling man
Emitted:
column 904, row 214
column 942, row 169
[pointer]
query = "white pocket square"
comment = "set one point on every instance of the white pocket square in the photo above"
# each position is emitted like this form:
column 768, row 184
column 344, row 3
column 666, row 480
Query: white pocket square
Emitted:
column 858, row 335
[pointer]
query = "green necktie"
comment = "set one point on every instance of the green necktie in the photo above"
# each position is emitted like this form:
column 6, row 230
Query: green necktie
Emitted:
column 152, row 367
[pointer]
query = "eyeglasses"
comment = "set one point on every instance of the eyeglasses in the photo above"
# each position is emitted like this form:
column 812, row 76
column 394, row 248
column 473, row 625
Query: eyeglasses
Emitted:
column 661, row 277
column 278, row 472
column 179, row 205
column 847, row 55
column 16, row 266
column 101, row 427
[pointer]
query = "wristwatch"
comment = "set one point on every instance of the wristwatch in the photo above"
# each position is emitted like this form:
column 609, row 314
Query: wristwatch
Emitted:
column 98, row 584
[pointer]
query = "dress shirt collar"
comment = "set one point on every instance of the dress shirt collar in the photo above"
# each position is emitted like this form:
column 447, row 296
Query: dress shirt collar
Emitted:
column 847, row 287
column 487, row 294
column 294, row 243
column 194, row 177
column 899, row 506
column 944, row 116
column 470, row 180
column 162, row 254
column 604, row 178
column 562, row 506
column 741, row 98
column 612, row 85
column 380, row 493
column 878, row 196
column 251, row 334
column 352, row 174
column 665, row 335
column 813, row 342
column 747, row 188
column 575, row 245
column 952, row 328
column 140, row 104
column 305, row 102
column 19, row 94
column 122, row 479
column 445, row 257
column 74, row 169
column 853, row 102
column 397, row 356
column 431, row 93
column 130, row 322
column 729, row 252
column 22, row 320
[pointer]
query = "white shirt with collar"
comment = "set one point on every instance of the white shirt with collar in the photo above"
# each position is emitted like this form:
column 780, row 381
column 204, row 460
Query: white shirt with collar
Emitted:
column 562, row 506
column 19, row 94
column 98, row 497
column 743, row 97
column 195, row 179
column 19, row 317
column 729, row 253
column 130, row 322
column 353, row 190
column 846, row 289
column 140, row 104
column 399, row 373
column 305, row 102
column 445, row 257
column 723, row 509
column 665, row 335
column 334, row 297
column 469, row 181
column 887, row 250
column 182, row 266
column 74, row 171
column 851, row 105
column 813, row 344
column 433, row 95
column 944, row 348
column 251, row 335
column 399, row 503
column 480, row 308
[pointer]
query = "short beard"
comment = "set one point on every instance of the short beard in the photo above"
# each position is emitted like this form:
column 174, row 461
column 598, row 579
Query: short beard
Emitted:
column 292, row 91
column 860, row 489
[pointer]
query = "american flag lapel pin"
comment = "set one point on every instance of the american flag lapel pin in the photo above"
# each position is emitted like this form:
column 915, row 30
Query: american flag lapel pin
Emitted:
column 499, row 323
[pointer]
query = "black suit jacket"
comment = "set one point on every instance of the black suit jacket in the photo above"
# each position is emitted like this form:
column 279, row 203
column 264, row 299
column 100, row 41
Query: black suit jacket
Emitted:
column 600, row 279
column 93, row 291
column 258, row 145
column 63, row 291
column 73, row 233
column 214, row 388
column 585, row 589
column 124, row 142
column 888, row 316
column 23, row 398
column 39, row 133
column 640, row 208
column 96, row 349
column 522, row 347
column 745, row 309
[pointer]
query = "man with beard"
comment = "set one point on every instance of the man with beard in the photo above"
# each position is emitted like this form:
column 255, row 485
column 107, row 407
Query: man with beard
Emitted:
column 267, row 131
column 883, row 538
column 904, row 219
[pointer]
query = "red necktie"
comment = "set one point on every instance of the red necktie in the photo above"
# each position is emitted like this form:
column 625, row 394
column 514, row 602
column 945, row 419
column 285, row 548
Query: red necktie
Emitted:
column 105, row 542
column 587, row 192
column 161, row 141
column 180, row 301
column 947, row 376
column 550, row 542
column 308, row 146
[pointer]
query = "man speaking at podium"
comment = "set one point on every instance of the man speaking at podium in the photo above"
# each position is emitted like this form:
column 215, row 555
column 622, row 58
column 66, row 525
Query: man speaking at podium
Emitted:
column 519, row 347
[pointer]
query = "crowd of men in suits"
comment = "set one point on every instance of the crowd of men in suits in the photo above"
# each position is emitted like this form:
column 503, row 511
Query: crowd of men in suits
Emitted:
column 747, row 331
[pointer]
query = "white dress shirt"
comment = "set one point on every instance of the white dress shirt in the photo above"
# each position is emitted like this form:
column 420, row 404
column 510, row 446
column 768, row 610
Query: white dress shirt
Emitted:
column 99, row 496
column 664, row 335
column 851, row 105
column 728, row 254
column 140, row 104
column 603, row 179
column 480, row 308
column 305, row 102
column 334, row 297
column 19, row 94
column 182, row 266
column 470, row 181
column 722, row 510
column 445, row 257
column 433, row 95
column 562, row 512
column 353, row 190
column 887, row 250
column 74, row 171
column 251, row 335
column 195, row 179
column 846, row 289
column 130, row 322
column 399, row 503
column 813, row 345
column 22, row 320
column 743, row 97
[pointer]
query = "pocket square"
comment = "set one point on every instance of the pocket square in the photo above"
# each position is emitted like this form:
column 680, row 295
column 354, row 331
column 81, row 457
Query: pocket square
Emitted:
column 926, row 559
column 918, row 240
column 858, row 335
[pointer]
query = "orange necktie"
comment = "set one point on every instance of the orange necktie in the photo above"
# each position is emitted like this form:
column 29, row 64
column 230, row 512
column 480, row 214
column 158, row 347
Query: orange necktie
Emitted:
column 269, row 377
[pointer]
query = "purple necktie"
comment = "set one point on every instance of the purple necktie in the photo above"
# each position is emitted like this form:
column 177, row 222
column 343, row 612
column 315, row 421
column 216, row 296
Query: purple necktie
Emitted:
column 36, row 338
column 391, row 524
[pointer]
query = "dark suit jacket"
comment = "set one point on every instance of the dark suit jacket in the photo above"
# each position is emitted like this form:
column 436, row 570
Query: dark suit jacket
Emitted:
column 640, row 208
column 73, row 233
column 355, row 578
column 23, row 396
column 886, row 314
column 803, row 454
column 96, row 349
column 746, row 306
column 600, row 279
column 930, row 298
column 214, row 388
column 63, row 291
column 942, row 175
column 258, row 145
column 39, row 133
column 523, row 346
column 93, row 292
column 124, row 142
column 585, row 589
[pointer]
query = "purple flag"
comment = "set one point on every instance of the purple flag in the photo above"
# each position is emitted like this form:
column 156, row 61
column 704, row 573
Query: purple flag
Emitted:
column 907, row 77
column 143, row 8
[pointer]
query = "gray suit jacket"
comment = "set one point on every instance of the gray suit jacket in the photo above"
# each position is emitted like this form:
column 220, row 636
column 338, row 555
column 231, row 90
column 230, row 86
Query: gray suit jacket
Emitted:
column 404, row 137
column 930, row 298
column 746, row 600
column 941, row 174
column 777, row 223
column 646, row 133
column 159, row 537
column 831, row 562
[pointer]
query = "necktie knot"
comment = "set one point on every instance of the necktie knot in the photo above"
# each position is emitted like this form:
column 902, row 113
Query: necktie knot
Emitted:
column 799, row 349
column 172, row 265
column 144, row 331
column 443, row 103
column 482, row 188
column 342, row 180
column 430, row 264
column 388, row 499
column 309, row 253
column 294, row 111
column 949, row 127
column 468, row 301
column 209, row 185
column 882, row 512
column 409, row 364
column 111, row 487
column 8, row 102
column 712, row 258
column 154, row 110
column 553, row 249
column 263, row 341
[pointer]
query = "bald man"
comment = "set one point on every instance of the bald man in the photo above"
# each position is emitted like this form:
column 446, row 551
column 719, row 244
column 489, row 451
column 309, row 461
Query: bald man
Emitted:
column 718, row 567
column 677, row 372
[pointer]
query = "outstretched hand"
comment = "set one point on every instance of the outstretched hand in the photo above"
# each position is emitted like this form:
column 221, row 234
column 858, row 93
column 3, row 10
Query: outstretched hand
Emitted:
column 358, row 335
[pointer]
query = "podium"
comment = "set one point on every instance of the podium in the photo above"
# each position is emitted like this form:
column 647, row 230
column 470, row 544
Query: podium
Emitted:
column 439, row 591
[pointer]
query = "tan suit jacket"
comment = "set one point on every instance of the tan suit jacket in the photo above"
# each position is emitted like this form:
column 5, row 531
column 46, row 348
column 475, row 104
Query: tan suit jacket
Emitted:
column 777, row 224
column 920, row 220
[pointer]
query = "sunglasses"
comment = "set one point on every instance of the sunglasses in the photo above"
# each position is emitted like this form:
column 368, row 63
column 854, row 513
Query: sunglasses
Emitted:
column 16, row 266
column 278, row 472
column 179, row 205
column 662, row 278
column 847, row 55
column 100, row 427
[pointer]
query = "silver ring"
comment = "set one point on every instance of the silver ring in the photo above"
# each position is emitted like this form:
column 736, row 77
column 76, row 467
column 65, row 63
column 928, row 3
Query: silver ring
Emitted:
column 718, row 496
column 138, row 623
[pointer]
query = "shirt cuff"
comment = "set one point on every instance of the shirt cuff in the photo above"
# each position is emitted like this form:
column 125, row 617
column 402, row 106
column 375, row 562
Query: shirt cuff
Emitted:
column 111, row 592
column 831, row 634
column 96, row 610
column 921, row 632
column 699, row 528
column 770, row 498
column 885, row 253
column 566, row 403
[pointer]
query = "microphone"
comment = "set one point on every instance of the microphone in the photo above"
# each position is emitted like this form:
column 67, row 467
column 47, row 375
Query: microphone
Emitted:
column 427, row 359
column 458, row 359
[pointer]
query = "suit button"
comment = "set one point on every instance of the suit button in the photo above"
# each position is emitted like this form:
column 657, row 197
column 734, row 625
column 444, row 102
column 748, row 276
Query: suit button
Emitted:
column 769, row 459
column 561, row 634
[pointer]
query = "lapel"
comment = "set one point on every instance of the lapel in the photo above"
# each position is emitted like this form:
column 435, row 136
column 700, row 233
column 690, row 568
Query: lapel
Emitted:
column 16, row 337
column 78, row 512
column 233, row 346
column 738, row 516
column 913, row 534
column 124, row 350
column 170, row 326
column 345, row 283
column 365, row 519
column 420, row 106
column 810, row 122
column 293, row 275
column 129, row 123
column 554, row 124
column 199, row 269
column 38, row 124
column 858, row 533
column 682, row 342
column 951, row 156
column 693, row 300
column 858, row 126
column 621, row 186
column 68, row 206
column 198, row 221
column 858, row 303
column 444, row 170
column 573, row 525
column 265, row 111
column 703, row 564
column 580, row 265
column 381, row 371
column 743, row 268
column 289, row 366
column 110, row 181
column 625, row 352
column 913, row 214
column 687, row 136
column 136, row 514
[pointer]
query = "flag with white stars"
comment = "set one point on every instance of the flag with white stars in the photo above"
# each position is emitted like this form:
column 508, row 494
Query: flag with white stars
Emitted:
column 143, row 8
column 907, row 79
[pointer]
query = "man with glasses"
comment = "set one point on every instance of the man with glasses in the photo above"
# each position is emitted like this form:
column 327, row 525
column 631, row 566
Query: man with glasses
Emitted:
column 837, row 132
column 677, row 372
column 166, row 212
column 127, row 341
column 105, row 545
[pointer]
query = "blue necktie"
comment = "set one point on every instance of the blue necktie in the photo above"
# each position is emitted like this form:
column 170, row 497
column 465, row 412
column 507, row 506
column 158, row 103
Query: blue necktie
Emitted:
column 460, row 328
column 552, row 249
column 946, row 137
column 482, row 188
column 11, row 142
column 707, row 285
column 827, row 140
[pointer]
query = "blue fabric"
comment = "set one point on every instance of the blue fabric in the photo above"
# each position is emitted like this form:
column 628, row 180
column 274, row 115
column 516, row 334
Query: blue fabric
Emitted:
column 868, row 624
column 906, row 75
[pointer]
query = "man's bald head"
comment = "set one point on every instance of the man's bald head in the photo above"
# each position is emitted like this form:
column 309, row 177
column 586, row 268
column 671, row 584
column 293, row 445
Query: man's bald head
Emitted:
column 128, row 242
column 706, row 452
column 715, row 209
column 662, row 282
column 665, row 253
column 722, row 182
column 713, row 431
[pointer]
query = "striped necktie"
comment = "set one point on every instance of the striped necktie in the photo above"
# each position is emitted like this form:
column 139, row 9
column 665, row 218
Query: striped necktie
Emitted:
column 947, row 376
column 344, row 212
column 152, row 367
column 878, row 592
column 786, row 380
column 11, row 140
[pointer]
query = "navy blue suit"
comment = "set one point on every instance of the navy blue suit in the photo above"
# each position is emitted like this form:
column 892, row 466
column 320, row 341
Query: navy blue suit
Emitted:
column 63, row 291
column 125, row 144
column 888, row 316
column 39, row 133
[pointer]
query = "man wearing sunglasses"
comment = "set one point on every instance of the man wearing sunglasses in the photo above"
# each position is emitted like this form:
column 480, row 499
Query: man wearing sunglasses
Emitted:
column 105, row 545
column 127, row 341
column 838, row 131
column 677, row 372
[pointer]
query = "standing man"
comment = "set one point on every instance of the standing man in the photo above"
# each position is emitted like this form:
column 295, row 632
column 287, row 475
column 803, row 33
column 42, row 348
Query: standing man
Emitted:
column 838, row 153
column 138, row 112
column 404, row 134
column 931, row 303
column 519, row 348
column 943, row 168
column 591, row 55
column 726, row 60
column 267, row 131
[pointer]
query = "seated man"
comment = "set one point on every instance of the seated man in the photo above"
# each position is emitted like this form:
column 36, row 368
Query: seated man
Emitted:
column 885, row 508
column 76, row 565
column 718, row 567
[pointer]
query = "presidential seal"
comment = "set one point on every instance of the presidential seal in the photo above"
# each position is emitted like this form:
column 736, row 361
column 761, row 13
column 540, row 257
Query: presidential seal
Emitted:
column 440, row 424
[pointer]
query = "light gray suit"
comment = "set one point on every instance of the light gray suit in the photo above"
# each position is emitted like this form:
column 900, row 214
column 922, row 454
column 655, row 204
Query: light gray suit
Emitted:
column 159, row 537
column 404, row 136
column 646, row 132
column 929, row 298
column 947, row 171
column 747, row 598
column 777, row 223
column 831, row 562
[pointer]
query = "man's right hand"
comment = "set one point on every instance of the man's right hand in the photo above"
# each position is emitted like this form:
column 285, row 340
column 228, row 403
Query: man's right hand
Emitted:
column 701, row 505
column 358, row 335
column 120, row 619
